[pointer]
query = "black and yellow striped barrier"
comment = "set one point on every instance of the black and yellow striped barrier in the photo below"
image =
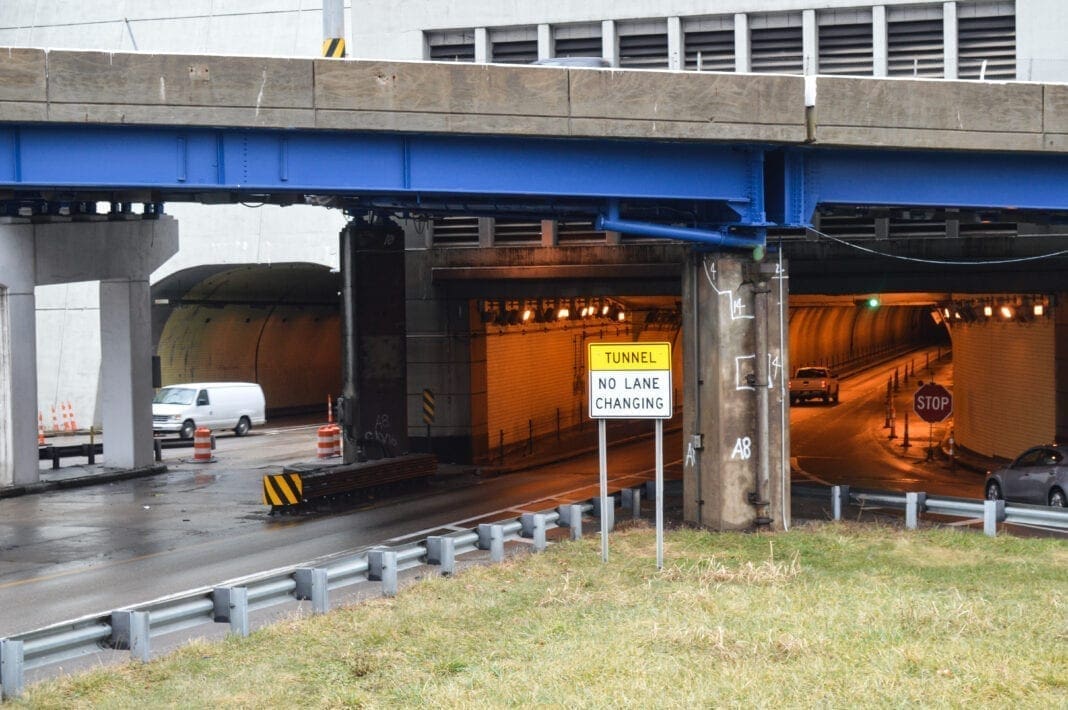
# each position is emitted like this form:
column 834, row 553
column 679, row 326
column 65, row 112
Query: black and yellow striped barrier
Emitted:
column 428, row 407
column 282, row 489
column 334, row 47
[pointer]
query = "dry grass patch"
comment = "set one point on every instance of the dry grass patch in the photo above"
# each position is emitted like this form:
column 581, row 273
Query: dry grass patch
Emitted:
column 832, row 615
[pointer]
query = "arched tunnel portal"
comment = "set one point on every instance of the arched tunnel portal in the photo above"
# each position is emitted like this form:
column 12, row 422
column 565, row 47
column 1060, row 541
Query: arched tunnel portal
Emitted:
column 277, row 325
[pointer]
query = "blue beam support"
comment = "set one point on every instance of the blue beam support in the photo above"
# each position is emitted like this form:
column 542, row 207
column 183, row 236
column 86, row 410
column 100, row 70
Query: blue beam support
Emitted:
column 96, row 157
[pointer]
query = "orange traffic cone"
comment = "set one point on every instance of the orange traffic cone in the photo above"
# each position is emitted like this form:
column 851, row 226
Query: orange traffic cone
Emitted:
column 55, row 422
column 70, row 417
column 40, row 428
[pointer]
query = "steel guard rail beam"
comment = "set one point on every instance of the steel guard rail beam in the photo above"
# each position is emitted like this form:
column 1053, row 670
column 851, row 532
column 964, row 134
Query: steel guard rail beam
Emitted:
column 991, row 512
column 132, row 628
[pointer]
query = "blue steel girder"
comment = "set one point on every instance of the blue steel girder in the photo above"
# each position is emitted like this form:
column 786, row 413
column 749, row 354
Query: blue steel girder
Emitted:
column 202, row 160
column 980, row 180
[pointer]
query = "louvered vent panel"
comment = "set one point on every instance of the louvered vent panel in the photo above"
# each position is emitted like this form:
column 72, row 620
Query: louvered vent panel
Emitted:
column 518, row 45
column 846, row 49
column 452, row 46
column 451, row 231
column 577, row 41
column 643, row 51
column 992, row 39
column 776, row 50
column 711, row 50
column 575, row 231
column 516, row 231
column 915, row 48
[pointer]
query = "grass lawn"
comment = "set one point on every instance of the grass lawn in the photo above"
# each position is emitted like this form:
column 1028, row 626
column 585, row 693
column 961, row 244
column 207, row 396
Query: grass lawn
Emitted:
column 827, row 615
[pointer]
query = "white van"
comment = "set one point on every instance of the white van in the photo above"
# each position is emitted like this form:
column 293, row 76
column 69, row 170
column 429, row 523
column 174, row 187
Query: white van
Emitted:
column 216, row 405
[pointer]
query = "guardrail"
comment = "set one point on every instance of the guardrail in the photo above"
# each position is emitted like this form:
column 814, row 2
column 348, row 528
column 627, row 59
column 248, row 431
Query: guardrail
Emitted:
column 133, row 628
column 991, row 512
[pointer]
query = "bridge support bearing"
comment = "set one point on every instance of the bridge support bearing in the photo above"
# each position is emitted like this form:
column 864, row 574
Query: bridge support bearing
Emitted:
column 735, row 461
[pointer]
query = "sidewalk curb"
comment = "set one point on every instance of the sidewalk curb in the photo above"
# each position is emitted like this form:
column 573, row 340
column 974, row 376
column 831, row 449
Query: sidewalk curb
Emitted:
column 82, row 481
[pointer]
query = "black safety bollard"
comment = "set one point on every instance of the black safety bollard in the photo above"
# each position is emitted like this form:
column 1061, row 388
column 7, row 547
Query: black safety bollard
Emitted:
column 905, row 441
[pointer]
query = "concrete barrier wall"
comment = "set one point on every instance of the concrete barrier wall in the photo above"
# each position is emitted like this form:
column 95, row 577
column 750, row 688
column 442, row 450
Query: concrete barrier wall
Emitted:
column 284, row 93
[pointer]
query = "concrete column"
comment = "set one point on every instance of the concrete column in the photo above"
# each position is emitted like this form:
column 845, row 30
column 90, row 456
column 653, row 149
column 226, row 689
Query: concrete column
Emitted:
column 879, row 42
column 486, row 231
column 741, row 43
column 545, row 42
column 810, row 44
column 949, row 39
column 676, row 55
column 374, row 357
column 722, row 432
column 609, row 43
column 126, row 372
column 482, row 48
column 550, row 233
column 18, row 357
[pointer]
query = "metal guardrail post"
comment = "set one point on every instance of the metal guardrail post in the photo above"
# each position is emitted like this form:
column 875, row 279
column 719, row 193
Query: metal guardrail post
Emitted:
column 491, row 537
column 131, row 630
column 441, row 551
column 609, row 513
column 571, row 517
column 632, row 498
column 313, row 584
column 650, row 491
column 993, row 513
column 839, row 500
column 533, row 526
column 383, row 568
column 231, row 604
column 12, row 668
column 915, row 503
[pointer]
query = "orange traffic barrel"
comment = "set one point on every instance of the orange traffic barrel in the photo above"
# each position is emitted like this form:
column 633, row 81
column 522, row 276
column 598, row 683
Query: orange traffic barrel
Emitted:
column 325, row 444
column 202, row 445
column 335, row 437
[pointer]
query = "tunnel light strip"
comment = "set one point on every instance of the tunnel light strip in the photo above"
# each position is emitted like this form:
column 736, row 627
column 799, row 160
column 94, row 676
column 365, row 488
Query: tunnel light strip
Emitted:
column 942, row 262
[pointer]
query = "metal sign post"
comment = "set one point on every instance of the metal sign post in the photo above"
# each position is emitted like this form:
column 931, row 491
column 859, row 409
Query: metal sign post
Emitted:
column 630, row 381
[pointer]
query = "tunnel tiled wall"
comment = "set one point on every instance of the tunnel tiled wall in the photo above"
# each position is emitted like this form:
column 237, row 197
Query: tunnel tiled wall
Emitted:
column 837, row 335
column 1005, row 399
column 533, row 373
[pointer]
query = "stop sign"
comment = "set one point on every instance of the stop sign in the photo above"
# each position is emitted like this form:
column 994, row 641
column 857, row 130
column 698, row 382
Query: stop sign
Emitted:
column 933, row 403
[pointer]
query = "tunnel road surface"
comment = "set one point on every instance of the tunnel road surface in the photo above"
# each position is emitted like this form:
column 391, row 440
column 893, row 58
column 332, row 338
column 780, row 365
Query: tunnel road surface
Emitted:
column 83, row 551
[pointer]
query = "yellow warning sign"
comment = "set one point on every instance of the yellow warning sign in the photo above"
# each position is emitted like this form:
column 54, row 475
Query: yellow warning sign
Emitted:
column 630, row 381
column 630, row 356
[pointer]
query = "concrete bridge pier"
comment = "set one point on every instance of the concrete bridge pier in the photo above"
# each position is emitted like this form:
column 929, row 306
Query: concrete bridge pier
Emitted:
column 120, row 254
column 736, row 422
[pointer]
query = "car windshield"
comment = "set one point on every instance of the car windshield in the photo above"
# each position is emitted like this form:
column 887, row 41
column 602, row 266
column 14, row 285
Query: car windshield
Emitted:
column 811, row 372
column 174, row 395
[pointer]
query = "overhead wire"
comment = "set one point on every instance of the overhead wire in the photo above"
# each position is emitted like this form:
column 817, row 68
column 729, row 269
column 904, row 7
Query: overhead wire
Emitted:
column 941, row 262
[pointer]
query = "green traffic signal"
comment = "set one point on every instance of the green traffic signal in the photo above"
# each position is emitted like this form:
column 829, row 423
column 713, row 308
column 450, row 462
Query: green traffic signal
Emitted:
column 873, row 302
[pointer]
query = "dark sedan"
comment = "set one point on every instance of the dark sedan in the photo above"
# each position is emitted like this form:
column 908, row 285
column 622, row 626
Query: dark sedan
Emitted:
column 1038, row 475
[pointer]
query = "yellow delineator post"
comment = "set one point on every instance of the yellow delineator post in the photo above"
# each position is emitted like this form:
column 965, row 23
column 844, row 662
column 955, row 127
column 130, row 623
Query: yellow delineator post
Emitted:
column 631, row 381
column 334, row 47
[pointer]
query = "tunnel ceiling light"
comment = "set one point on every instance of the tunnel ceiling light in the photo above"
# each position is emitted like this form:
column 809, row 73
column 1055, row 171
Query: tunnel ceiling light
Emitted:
column 621, row 316
column 1006, row 312
column 527, row 315
column 988, row 310
column 562, row 313
column 945, row 312
column 1039, row 309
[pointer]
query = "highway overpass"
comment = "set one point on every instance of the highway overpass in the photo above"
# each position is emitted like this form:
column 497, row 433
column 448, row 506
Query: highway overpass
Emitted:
column 716, row 160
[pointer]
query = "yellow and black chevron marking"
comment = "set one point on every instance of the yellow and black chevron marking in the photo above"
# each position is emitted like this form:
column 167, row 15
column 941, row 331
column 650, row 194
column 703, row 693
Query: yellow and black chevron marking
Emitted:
column 282, row 489
column 428, row 406
column 334, row 47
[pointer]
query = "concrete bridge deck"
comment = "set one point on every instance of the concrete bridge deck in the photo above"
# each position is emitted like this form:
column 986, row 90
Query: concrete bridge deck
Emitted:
column 327, row 94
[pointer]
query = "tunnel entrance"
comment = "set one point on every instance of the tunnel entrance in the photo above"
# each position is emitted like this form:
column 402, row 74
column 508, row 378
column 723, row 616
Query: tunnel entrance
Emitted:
column 277, row 325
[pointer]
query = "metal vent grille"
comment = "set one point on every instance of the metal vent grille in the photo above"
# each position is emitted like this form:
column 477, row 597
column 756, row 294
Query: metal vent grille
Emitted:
column 709, row 50
column 643, row 46
column 456, row 231
column 578, row 231
column 846, row 49
column 516, row 231
column 915, row 48
column 776, row 50
column 989, row 39
column 451, row 46
column 577, row 41
column 514, row 46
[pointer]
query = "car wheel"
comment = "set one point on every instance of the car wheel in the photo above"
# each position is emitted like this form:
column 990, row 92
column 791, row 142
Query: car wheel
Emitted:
column 243, row 425
column 188, row 429
column 826, row 398
column 1057, row 498
column 993, row 491
column 836, row 396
